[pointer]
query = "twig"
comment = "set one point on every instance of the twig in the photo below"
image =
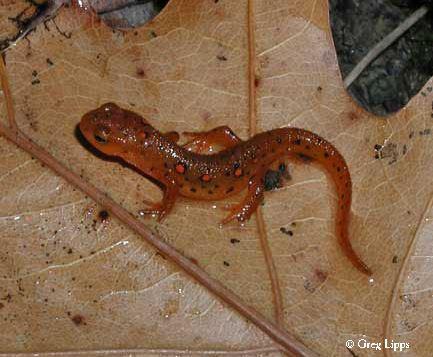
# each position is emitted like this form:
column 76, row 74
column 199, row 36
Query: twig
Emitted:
column 252, row 104
column 384, row 44
column 139, row 352
column 8, row 96
column 44, row 13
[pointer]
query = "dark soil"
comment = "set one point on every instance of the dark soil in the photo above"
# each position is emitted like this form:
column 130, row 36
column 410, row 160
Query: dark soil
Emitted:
column 398, row 73
column 128, row 13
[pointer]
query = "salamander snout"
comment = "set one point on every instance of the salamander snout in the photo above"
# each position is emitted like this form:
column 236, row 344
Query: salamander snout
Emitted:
column 113, row 130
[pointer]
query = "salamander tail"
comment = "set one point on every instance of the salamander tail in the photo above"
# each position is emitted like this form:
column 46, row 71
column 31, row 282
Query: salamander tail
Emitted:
column 307, row 144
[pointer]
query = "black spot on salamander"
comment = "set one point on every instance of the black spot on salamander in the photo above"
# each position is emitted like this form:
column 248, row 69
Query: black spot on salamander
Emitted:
column 272, row 180
column 193, row 189
column 217, row 186
column 307, row 147
column 326, row 154
column 338, row 169
column 165, row 165
column 230, row 189
column 279, row 140
column 297, row 142
column 210, row 192
column 227, row 173
column 305, row 158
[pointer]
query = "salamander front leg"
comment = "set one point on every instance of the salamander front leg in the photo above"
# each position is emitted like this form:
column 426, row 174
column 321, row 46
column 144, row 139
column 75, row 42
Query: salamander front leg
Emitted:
column 243, row 211
column 163, row 208
column 203, row 140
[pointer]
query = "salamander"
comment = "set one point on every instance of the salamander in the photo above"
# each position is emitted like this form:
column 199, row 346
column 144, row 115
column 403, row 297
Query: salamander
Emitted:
column 241, row 164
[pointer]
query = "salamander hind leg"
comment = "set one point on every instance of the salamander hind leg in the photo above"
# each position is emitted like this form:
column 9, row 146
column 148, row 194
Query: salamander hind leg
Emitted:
column 243, row 211
column 203, row 140
column 163, row 208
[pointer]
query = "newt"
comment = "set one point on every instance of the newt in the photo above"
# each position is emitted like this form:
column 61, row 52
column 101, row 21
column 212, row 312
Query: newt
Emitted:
column 241, row 164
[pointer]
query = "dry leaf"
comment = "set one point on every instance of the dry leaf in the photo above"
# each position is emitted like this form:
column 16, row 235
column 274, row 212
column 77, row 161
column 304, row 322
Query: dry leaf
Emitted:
column 72, row 279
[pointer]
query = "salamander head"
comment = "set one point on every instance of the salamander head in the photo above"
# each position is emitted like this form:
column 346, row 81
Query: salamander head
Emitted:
column 113, row 130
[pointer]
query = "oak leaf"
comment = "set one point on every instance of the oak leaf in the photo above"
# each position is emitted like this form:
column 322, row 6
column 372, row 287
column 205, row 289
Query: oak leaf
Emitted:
column 73, row 278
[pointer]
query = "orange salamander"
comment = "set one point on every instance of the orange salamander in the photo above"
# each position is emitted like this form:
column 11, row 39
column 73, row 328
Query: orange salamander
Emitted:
column 241, row 164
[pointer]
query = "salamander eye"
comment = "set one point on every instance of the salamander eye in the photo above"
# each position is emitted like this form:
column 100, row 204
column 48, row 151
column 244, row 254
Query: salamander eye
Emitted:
column 101, row 135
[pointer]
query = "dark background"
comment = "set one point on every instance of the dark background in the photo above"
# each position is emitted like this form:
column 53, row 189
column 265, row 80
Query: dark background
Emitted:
column 399, row 72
